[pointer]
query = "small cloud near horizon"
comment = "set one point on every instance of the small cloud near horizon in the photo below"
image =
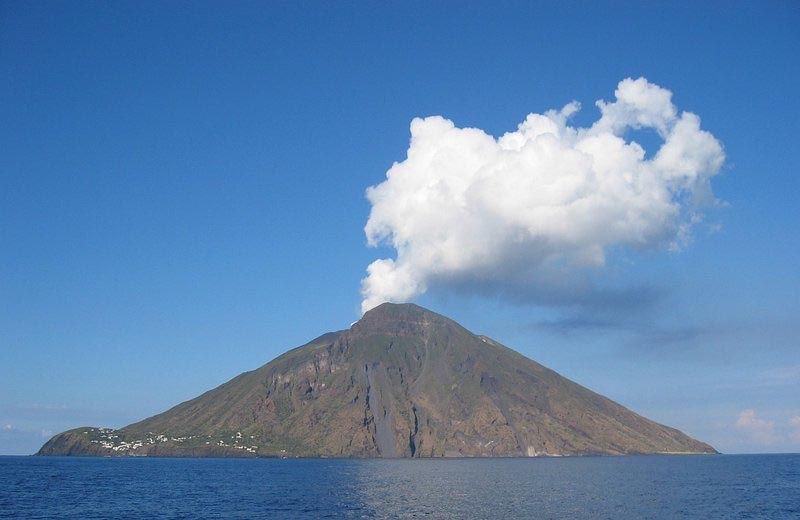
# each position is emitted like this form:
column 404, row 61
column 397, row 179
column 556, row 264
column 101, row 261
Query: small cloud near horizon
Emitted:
column 759, row 430
column 794, row 422
column 768, row 433
column 15, row 440
column 527, row 216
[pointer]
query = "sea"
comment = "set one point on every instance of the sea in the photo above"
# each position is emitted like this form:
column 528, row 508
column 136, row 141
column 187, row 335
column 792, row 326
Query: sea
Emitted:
column 698, row 486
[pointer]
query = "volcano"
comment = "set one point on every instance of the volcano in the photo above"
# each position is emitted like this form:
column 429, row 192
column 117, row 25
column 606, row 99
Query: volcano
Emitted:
column 401, row 382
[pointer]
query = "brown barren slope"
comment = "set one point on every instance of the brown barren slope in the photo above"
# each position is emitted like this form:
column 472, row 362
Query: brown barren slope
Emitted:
column 401, row 382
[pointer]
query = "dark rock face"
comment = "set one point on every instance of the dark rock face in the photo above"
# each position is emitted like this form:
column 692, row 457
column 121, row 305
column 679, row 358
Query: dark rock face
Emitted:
column 401, row 382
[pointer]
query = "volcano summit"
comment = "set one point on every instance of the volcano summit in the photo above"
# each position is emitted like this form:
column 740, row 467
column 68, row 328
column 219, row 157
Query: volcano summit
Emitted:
column 401, row 382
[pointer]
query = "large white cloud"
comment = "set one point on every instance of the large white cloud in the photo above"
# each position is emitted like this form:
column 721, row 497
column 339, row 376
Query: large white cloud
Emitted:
column 538, row 205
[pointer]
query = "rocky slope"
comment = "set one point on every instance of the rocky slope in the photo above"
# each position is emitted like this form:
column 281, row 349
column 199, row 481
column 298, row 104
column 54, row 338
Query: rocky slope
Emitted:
column 401, row 382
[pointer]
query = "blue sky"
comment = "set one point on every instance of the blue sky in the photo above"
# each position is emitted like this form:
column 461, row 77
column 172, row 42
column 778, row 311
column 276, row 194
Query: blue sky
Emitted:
column 183, row 198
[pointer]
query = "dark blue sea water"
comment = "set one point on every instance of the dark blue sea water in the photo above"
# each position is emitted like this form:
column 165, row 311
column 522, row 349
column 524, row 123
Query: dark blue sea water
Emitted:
column 740, row 486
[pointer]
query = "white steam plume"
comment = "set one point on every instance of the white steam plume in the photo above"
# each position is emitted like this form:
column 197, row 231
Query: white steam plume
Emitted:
column 539, row 204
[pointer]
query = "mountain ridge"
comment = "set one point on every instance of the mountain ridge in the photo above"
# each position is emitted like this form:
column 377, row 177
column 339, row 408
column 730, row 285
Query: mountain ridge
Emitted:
column 401, row 382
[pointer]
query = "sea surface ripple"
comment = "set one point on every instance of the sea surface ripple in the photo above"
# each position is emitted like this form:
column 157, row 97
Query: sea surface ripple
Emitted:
column 713, row 486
